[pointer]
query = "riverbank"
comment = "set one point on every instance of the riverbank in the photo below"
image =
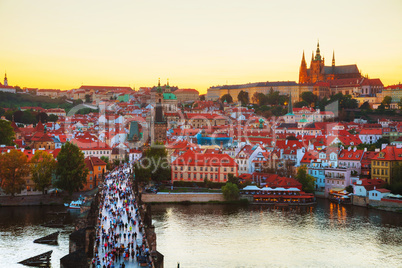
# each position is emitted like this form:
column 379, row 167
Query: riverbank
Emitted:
column 182, row 197
column 38, row 200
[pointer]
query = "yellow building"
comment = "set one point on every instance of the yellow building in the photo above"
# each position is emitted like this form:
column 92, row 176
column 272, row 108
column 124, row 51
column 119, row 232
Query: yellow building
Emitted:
column 283, row 87
column 382, row 164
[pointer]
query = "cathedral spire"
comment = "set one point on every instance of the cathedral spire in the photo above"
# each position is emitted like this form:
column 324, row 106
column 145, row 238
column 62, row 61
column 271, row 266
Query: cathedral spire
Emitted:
column 159, row 89
column 317, row 52
column 303, row 71
column 333, row 58
column 303, row 62
column 5, row 79
column 167, row 88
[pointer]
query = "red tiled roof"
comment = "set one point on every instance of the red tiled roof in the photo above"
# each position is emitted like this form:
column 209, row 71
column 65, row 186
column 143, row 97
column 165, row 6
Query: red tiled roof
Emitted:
column 389, row 153
column 196, row 159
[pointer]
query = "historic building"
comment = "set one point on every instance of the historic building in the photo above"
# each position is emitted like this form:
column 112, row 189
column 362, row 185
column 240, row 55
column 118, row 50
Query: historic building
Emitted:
column 382, row 165
column 319, row 72
column 159, row 123
column 197, row 167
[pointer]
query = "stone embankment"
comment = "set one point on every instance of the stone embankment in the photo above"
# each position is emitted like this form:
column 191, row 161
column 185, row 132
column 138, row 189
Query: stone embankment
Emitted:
column 182, row 197
column 384, row 204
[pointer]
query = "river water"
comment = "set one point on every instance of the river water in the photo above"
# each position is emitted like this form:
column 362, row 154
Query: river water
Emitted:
column 20, row 226
column 211, row 235
column 327, row 235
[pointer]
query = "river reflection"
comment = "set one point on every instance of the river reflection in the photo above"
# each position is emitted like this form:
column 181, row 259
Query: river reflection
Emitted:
column 327, row 235
column 20, row 226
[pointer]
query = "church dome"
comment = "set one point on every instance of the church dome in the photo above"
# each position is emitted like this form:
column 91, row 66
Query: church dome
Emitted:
column 169, row 96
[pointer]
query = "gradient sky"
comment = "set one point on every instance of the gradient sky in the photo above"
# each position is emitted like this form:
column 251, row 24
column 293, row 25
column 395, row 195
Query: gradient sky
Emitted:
column 196, row 44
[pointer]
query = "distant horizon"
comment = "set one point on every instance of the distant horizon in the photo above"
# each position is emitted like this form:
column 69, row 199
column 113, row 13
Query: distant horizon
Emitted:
column 63, row 45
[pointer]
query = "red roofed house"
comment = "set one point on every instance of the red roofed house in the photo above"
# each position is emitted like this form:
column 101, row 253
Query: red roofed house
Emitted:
column 196, row 167
column 370, row 136
column 93, row 147
column 96, row 167
column 363, row 186
column 382, row 164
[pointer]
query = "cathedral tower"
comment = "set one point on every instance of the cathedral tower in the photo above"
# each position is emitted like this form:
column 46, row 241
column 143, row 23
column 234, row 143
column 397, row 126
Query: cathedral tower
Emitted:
column 5, row 79
column 159, row 124
column 303, row 77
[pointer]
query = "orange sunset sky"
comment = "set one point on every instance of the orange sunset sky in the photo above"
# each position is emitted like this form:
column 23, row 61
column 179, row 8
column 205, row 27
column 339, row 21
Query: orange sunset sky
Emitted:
column 196, row 44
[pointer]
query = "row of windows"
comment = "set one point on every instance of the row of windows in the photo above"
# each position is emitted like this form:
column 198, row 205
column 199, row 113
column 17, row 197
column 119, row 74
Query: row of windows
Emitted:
column 199, row 176
column 382, row 163
column 379, row 171
column 95, row 152
column 316, row 172
column 202, row 169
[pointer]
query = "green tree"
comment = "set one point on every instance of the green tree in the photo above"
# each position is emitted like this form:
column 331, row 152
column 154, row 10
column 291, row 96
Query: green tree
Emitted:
column 387, row 101
column 347, row 102
column 104, row 159
column 13, row 168
column 233, row 179
column 202, row 97
column 349, row 189
column 71, row 171
column 230, row 191
column 227, row 97
column 400, row 104
column 141, row 171
column 381, row 107
column 305, row 179
column 259, row 98
column 52, row 118
column 87, row 98
column 7, row 134
column 283, row 99
column 25, row 117
column 42, row 169
column 154, row 165
column 273, row 97
column 43, row 117
column 396, row 179
column 300, row 104
column 243, row 97
column 308, row 97
column 365, row 106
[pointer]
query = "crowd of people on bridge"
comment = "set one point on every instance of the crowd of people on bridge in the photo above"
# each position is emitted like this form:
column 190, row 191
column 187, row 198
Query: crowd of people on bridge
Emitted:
column 119, row 240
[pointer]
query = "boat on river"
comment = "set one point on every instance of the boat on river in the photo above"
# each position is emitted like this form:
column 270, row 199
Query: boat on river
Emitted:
column 75, row 204
column 277, row 196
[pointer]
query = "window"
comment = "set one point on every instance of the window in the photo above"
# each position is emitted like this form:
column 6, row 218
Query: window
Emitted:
column 201, row 168
column 99, row 168
column 90, row 178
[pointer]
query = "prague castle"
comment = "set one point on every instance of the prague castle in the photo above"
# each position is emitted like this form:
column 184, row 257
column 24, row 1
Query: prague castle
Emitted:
column 319, row 72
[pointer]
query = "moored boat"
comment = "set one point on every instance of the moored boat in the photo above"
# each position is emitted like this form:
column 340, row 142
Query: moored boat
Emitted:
column 277, row 196
column 75, row 204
